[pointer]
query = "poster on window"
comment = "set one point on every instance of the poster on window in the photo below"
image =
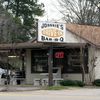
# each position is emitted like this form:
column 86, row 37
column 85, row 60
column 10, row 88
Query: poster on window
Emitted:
column 51, row 32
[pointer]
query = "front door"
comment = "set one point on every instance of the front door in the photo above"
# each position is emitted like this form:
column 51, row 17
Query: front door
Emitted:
column 58, row 62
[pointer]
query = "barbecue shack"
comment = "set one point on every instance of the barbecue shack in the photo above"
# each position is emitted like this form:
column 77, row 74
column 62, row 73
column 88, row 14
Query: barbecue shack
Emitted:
column 73, row 47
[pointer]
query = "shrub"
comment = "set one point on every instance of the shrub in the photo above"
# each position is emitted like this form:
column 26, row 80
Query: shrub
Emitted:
column 71, row 83
column 80, row 83
column 67, row 83
column 56, row 87
column 96, row 82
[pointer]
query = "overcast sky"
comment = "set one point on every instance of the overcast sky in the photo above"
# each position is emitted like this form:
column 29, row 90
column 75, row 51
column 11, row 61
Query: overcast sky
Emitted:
column 51, row 14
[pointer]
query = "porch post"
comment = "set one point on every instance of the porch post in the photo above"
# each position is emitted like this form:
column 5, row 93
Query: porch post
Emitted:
column 50, row 65
column 82, row 63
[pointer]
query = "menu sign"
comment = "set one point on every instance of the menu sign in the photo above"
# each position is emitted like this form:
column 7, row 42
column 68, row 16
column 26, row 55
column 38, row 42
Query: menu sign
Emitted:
column 51, row 32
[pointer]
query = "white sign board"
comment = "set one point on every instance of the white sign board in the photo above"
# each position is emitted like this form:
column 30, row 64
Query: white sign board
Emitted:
column 51, row 32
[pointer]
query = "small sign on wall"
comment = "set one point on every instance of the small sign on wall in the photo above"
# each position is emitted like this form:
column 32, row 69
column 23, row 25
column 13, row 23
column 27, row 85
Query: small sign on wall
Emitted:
column 59, row 54
column 51, row 32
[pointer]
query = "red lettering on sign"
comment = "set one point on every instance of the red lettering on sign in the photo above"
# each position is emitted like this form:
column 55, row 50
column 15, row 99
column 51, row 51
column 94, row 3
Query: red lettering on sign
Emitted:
column 59, row 55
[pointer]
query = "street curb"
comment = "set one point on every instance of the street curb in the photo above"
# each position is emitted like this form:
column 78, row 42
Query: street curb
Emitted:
column 15, row 89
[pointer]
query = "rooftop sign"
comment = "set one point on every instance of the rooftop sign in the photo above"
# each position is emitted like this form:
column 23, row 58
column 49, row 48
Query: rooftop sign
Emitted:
column 51, row 32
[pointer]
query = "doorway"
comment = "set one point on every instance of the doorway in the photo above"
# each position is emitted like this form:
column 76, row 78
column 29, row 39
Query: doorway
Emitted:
column 58, row 61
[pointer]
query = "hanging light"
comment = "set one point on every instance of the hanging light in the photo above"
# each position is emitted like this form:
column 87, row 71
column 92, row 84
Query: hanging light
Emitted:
column 13, row 56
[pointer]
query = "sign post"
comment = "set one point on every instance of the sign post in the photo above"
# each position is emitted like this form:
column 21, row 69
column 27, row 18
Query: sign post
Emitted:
column 50, row 32
column 50, row 65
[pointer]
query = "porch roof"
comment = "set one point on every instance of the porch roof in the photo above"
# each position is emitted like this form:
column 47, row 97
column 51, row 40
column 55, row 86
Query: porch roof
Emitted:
column 89, row 33
column 29, row 45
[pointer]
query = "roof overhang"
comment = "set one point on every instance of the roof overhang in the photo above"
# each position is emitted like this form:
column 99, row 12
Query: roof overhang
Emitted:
column 38, row 45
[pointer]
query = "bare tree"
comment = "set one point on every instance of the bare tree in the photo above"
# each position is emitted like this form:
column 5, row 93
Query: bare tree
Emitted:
column 80, row 11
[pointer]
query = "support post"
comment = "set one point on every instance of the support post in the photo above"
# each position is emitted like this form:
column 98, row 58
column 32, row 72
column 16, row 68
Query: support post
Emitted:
column 82, row 64
column 50, row 65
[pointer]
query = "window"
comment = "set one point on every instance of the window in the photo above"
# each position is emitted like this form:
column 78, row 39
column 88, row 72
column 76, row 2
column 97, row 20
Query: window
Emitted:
column 72, row 61
column 74, row 65
column 67, row 59
column 39, row 61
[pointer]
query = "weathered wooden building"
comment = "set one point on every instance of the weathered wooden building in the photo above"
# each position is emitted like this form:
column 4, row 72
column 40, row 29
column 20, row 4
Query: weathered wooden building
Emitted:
column 67, row 63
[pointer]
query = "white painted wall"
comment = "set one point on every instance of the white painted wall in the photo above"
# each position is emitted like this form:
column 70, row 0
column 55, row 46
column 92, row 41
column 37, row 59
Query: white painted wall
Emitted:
column 72, row 38
column 91, row 63
column 94, row 63
column 97, row 63
column 75, row 77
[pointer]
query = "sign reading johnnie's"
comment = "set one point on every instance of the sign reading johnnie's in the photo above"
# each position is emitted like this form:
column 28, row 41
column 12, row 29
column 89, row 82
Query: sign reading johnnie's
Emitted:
column 51, row 32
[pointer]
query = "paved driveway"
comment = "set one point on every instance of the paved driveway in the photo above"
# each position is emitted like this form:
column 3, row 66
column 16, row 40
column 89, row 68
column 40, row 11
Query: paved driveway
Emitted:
column 69, row 94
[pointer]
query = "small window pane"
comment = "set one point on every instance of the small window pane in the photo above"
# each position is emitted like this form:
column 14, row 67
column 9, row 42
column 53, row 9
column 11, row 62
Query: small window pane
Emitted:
column 39, row 61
